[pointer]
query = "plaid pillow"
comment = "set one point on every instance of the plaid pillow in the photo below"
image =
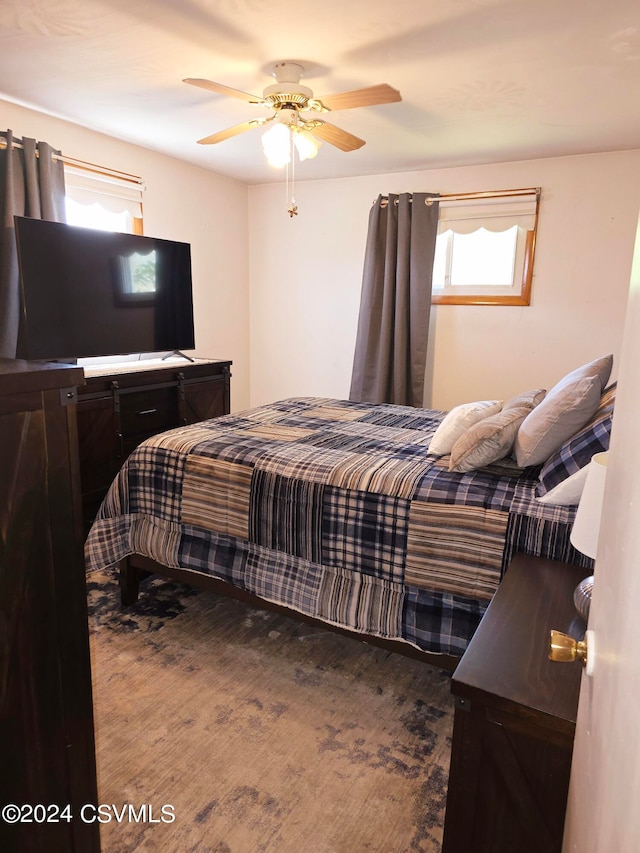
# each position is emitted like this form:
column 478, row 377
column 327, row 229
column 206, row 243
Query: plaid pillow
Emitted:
column 578, row 450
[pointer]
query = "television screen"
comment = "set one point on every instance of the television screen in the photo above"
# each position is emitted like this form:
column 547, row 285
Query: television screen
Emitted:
column 96, row 293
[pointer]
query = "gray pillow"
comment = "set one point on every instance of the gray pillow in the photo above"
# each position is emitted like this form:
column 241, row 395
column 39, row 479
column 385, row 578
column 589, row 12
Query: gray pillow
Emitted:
column 487, row 441
column 567, row 407
column 530, row 399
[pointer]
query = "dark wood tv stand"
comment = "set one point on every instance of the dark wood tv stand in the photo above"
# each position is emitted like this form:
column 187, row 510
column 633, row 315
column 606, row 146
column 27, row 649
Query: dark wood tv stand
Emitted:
column 121, row 405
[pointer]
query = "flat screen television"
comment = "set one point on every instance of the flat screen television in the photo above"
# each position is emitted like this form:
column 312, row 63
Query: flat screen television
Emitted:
column 96, row 293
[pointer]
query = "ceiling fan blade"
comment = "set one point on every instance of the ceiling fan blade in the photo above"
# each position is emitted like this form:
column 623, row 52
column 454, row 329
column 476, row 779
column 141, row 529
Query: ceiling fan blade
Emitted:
column 221, row 135
column 369, row 97
column 335, row 136
column 222, row 90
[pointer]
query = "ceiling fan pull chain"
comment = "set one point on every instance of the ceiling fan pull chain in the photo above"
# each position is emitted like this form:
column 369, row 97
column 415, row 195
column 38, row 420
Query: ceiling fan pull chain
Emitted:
column 292, row 210
column 286, row 184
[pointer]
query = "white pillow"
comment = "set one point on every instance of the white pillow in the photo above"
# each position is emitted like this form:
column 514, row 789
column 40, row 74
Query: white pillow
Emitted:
column 458, row 420
column 568, row 491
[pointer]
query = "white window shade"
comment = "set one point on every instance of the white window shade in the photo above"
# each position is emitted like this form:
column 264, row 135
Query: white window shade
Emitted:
column 117, row 195
column 495, row 214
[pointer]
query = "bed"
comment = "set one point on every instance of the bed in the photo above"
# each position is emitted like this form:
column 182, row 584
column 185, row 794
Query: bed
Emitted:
column 341, row 513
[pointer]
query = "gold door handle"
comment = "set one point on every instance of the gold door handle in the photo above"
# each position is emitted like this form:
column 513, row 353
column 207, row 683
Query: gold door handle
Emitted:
column 564, row 649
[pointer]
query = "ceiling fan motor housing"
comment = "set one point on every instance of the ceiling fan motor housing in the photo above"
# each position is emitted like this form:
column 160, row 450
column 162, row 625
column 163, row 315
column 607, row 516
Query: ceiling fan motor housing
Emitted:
column 276, row 97
column 288, row 89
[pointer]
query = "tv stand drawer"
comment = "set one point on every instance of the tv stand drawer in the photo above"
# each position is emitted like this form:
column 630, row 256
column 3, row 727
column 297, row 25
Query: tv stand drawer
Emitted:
column 148, row 412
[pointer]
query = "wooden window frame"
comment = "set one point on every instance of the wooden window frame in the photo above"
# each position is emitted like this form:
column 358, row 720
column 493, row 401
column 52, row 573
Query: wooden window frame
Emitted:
column 524, row 297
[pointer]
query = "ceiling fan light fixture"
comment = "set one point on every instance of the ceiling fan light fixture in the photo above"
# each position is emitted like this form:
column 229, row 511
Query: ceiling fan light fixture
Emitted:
column 306, row 145
column 276, row 143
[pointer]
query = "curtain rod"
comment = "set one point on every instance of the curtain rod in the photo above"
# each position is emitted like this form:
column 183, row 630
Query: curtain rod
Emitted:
column 526, row 191
column 82, row 164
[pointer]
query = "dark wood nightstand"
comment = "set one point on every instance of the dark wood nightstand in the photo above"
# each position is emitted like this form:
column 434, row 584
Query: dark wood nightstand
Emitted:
column 515, row 717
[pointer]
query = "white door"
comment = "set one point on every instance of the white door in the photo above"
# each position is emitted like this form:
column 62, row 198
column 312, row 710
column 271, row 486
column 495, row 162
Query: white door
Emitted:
column 603, row 814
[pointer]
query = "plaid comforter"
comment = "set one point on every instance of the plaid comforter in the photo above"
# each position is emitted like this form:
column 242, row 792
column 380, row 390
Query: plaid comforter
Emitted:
column 334, row 509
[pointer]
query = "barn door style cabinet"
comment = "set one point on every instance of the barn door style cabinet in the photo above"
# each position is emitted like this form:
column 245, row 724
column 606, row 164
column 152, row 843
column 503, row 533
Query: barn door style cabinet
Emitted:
column 120, row 406
column 47, row 751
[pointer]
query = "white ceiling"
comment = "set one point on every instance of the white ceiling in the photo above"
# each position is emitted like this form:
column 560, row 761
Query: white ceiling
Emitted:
column 482, row 81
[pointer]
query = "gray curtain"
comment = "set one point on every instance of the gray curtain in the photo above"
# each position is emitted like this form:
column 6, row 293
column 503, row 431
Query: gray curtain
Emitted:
column 31, row 184
column 393, row 326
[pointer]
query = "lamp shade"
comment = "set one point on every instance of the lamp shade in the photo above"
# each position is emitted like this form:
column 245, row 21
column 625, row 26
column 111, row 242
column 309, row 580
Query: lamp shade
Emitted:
column 586, row 527
column 276, row 143
column 306, row 145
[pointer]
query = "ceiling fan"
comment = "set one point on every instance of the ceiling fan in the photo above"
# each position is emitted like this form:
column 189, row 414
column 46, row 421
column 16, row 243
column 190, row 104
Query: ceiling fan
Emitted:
column 289, row 99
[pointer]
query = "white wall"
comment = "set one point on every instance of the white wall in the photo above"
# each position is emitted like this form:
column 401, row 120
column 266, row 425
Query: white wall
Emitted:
column 181, row 202
column 602, row 813
column 305, row 275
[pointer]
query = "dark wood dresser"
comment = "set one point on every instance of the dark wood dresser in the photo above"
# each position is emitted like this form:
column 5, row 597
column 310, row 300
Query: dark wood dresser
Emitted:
column 119, row 407
column 47, row 754
column 515, row 717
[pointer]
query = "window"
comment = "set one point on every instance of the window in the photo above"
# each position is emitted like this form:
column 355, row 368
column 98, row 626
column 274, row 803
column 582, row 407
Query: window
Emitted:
column 103, row 199
column 98, row 197
column 484, row 249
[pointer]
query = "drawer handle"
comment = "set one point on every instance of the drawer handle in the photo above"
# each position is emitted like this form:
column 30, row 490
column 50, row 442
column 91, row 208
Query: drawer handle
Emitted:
column 147, row 412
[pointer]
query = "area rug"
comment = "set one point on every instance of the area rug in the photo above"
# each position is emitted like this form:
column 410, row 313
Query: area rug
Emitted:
column 228, row 729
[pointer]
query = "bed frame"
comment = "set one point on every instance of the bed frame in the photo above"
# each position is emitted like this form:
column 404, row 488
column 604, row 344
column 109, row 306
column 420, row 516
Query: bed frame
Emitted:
column 135, row 568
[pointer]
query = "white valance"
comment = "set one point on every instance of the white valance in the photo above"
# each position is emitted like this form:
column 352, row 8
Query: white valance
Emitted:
column 495, row 214
column 116, row 194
